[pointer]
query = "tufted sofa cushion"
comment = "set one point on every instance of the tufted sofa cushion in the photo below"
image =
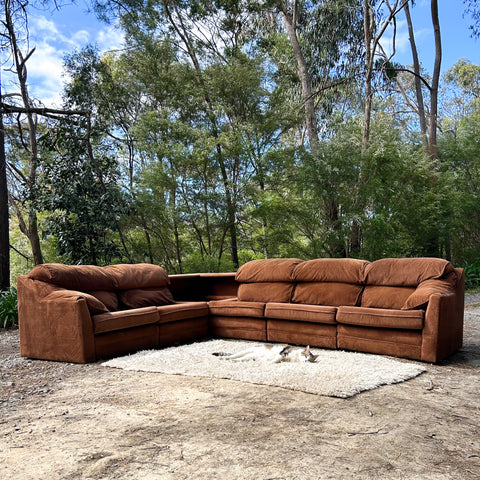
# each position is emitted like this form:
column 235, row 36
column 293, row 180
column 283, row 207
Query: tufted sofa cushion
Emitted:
column 421, row 295
column 385, row 297
column 73, row 277
column 140, row 275
column 265, row 292
column 338, row 270
column 327, row 293
column 405, row 272
column 329, row 281
column 146, row 297
column 267, row 270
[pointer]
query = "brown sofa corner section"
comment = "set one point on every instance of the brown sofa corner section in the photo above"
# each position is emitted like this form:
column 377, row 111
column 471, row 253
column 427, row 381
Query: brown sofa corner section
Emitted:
column 407, row 307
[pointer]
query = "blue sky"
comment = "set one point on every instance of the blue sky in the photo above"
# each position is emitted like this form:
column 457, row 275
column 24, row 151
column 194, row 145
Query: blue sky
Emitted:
column 58, row 32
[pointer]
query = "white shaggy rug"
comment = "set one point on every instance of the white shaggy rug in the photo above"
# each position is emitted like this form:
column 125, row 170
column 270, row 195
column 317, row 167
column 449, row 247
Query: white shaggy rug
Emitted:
column 335, row 373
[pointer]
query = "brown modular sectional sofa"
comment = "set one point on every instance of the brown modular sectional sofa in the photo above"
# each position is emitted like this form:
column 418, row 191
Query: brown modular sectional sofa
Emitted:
column 410, row 308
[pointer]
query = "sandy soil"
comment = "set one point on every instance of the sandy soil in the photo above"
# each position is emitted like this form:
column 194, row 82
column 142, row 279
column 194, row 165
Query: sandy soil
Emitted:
column 64, row 421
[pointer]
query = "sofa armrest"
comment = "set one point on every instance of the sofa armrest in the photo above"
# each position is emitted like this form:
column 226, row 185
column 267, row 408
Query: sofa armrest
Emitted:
column 443, row 330
column 53, row 328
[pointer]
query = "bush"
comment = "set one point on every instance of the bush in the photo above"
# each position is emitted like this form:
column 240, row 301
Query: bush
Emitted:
column 8, row 308
column 472, row 275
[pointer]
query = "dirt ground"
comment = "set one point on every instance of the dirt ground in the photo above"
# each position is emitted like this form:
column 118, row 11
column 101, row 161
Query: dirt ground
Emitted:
column 65, row 421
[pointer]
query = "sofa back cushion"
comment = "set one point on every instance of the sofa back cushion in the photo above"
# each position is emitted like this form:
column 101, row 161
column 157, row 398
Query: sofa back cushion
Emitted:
column 146, row 297
column 332, row 294
column 73, row 277
column 385, row 297
column 108, row 298
column 265, row 292
column 267, row 270
column 405, row 272
column 421, row 295
column 339, row 270
column 139, row 275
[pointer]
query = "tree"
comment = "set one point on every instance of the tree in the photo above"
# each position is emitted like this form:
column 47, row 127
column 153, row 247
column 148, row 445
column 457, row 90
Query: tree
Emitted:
column 4, row 216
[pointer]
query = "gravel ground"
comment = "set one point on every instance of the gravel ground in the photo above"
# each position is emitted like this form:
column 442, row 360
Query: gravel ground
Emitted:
column 60, row 421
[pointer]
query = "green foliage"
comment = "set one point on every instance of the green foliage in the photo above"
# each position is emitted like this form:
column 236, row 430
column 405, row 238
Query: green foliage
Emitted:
column 196, row 155
column 472, row 275
column 8, row 308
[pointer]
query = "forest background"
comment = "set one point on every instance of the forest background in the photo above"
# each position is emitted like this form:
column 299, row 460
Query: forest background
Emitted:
column 225, row 131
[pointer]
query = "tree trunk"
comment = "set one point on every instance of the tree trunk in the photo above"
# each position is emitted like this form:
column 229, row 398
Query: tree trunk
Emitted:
column 307, row 94
column 435, row 81
column 231, row 205
column 4, row 220
column 368, row 29
column 418, row 82
column 21, row 72
column 330, row 206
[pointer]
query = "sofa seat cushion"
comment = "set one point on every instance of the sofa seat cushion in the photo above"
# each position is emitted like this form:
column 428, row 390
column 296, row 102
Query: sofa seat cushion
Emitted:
column 111, row 321
column 385, row 297
column 302, row 313
column 265, row 292
column 236, row 308
column 182, row 311
column 381, row 317
column 327, row 293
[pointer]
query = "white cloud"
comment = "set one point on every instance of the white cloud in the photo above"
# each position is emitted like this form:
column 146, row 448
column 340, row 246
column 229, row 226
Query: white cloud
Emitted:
column 110, row 38
column 45, row 66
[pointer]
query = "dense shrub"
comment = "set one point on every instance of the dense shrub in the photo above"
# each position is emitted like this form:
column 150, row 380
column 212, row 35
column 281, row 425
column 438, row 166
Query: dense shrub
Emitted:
column 472, row 275
column 8, row 308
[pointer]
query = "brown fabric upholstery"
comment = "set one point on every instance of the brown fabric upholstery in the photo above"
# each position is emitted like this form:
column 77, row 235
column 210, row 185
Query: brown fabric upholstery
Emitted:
column 384, row 341
column 268, row 270
column 111, row 321
column 139, row 275
column 73, row 277
column 381, row 318
column 443, row 331
column 121, row 342
column 385, row 297
column 245, row 328
column 146, row 297
column 419, row 298
column 189, row 330
column 302, row 333
column 322, row 293
column 340, row 270
column 405, row 272
column 265, row 292
column 94, row 305
column 59, row 330
column 182, row 311
column 302, row 313
column 236, row 308
column 108, row 298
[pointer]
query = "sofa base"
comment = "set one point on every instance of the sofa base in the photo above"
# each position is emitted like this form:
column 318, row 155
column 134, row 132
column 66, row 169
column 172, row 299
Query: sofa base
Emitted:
column 243, row 328
column 302, row 333
column 121, row 342
column 384, row 341
column 182, row 331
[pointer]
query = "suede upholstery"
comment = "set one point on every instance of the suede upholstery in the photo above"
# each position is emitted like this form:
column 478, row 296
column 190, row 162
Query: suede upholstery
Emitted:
column 265, row 292
column 411, row 308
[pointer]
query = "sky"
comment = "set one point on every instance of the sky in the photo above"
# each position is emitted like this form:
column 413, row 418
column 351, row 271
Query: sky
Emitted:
column 59, row 32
